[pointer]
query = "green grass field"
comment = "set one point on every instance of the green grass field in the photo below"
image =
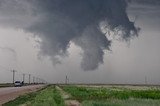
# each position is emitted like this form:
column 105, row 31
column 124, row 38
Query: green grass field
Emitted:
column 114, row 96
column 118, row 102
column 92, row 96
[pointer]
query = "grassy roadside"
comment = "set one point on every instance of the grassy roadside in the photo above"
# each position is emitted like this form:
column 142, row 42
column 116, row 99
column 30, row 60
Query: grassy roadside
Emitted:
column 6, row 85
column 48, row 96
column 22, row 99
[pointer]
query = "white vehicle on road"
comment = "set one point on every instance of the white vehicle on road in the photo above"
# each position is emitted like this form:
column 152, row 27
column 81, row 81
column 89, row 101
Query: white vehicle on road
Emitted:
column 17, row 84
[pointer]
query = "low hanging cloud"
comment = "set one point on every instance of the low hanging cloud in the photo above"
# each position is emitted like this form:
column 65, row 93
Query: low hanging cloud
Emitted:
column 87, row 23
column 10, row 50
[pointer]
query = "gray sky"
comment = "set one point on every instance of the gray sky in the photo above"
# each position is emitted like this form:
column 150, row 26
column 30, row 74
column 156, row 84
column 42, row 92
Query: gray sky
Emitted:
column 30, row 48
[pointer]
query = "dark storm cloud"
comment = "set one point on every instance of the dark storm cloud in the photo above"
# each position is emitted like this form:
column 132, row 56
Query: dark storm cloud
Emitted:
column 149, row 2
column 60, row 22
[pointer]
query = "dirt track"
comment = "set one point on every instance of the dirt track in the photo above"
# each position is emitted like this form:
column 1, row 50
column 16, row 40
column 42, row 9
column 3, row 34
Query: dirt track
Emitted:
column 66, row 97
column 10, row 93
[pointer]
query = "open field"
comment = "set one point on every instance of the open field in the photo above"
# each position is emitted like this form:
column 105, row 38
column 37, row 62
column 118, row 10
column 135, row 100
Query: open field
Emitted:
column 91, row 95
column 115, row 95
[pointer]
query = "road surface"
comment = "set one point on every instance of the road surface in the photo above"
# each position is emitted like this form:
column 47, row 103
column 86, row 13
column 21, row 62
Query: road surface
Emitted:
column 10, row 93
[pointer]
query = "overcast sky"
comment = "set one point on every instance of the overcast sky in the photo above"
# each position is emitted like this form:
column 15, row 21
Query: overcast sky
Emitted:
column 73, row 44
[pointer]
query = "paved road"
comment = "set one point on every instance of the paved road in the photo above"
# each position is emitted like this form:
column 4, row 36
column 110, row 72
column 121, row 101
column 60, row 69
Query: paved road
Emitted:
column 10, row 93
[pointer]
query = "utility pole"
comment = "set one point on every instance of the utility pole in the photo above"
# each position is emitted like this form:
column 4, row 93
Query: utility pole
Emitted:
column 29, row 78
column 66, row 79
column 146, row 80
column 33, row 79
column 13, row 75
column 36, row 80
column 23, row 77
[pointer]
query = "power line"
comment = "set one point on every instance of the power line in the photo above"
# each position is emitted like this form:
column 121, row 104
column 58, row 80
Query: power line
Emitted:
column 66, row 80
column 13, row 75
column 33, row 79
column 29, row 78
column 146, row 80
column 23, row 77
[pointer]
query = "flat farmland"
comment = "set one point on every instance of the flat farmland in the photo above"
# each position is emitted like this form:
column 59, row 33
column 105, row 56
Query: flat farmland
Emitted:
column 91, row 95
column 110, row 95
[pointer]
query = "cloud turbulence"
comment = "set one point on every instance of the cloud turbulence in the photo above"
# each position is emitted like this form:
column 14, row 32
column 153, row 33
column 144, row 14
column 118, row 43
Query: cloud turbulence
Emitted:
column 86, row 23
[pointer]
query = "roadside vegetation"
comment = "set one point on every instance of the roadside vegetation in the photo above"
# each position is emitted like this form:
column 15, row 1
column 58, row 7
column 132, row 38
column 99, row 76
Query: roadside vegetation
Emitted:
column 6, row 85
column 46, row 97
column 21, row 99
